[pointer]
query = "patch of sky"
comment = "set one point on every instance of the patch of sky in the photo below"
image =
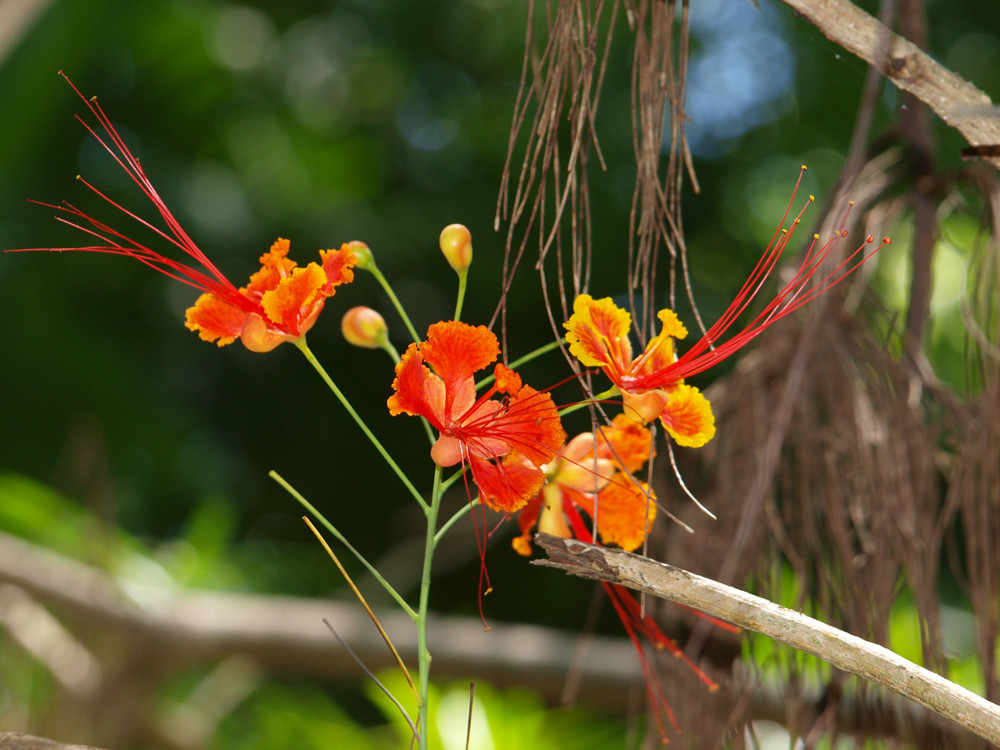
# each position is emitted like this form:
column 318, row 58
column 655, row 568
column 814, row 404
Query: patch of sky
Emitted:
column 740, row 71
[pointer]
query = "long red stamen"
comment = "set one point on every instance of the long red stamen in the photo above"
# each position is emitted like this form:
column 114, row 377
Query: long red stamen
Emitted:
column 709, row 351
column 115, row 242
column 654, row 691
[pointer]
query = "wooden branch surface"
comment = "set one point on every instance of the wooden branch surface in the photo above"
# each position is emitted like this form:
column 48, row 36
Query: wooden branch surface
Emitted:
column 18, row 741
column 956, row 101
column 842, row 650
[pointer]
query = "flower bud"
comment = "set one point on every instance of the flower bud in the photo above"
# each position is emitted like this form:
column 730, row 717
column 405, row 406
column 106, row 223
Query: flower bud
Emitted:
column 364, row 327
column 364, row 256
column 456, row 244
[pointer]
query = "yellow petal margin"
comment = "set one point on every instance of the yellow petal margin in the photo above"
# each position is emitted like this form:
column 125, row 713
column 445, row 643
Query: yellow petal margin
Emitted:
column 688, row 417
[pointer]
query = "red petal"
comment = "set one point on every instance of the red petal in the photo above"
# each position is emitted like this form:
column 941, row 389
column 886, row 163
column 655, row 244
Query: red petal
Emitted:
column 508, row 485
column 417, row 391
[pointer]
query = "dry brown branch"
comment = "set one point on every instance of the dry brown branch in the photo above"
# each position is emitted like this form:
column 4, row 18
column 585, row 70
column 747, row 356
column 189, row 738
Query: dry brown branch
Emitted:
column 838, row 648
column 956, row 101
column 18, row 741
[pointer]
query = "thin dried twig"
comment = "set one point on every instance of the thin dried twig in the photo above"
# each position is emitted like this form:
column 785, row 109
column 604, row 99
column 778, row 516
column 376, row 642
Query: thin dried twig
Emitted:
column 840, row 649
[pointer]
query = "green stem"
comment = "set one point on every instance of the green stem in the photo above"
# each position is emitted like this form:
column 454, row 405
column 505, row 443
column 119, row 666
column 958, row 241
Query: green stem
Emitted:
column 343, row 540
column 521, row 360
column 603, row 396
column 423, row 655
column 452, row 479
column 451, row 521
column 304, row 348
column 463, row 277
column 384, row 283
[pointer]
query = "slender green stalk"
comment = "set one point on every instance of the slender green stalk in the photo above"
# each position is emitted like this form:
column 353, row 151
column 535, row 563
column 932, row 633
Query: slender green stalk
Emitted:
column 343, row 540
column 464, row 510
column 424, row 656
column 463, row 277
column 447, row 483
column 304, row 348
column 603, row 396
column 387, row 288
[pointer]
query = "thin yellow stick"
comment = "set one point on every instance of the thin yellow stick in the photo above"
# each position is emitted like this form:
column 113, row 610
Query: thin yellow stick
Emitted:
column 361, row 598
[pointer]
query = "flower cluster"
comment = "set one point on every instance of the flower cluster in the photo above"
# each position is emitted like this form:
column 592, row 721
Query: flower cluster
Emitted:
column 510, row 436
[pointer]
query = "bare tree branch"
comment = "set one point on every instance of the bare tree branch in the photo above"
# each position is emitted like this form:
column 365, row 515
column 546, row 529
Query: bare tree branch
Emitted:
column 840, row 649
column 18, row 741
column 956, row 101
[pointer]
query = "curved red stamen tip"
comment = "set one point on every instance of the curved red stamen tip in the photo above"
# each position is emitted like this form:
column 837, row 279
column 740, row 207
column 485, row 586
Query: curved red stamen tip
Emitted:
column 886, row 241
column 869, row 238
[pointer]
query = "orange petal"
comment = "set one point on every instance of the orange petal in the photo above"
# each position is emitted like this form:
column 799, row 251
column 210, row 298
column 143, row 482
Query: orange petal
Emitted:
column 507, row 485
column 296, row 299
column 416, row 390
column 456, row 350
column 507, row 381
column 597, row 333
column 688, row 417
column 527, row 517
column 214, row 319
column 624, row 513
column 627, row 443
column 338, row 266
column 274, row 267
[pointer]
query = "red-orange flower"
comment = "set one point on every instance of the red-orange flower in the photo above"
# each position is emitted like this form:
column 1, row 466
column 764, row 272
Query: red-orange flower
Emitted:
column 652, row 384
column 595, row 474
column 281, row 302
column 503, row 441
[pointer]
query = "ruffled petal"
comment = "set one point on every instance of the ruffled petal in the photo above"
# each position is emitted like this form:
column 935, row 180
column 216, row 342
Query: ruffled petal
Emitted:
column 506, row 380
column 507, row 485
column 338, row 266
column 296, row 299
column 214, row 319
column 417, row 391
column 275, row 266
column 597, row 334
column 688, row 417
column 660, row 350
column 455, row 351
column 624, row 512
column 627, row 443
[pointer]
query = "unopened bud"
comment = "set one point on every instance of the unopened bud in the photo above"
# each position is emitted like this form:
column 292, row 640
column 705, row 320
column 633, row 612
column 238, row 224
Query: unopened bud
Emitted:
column 456, row 244
column 364, row 256
column 364, row 327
